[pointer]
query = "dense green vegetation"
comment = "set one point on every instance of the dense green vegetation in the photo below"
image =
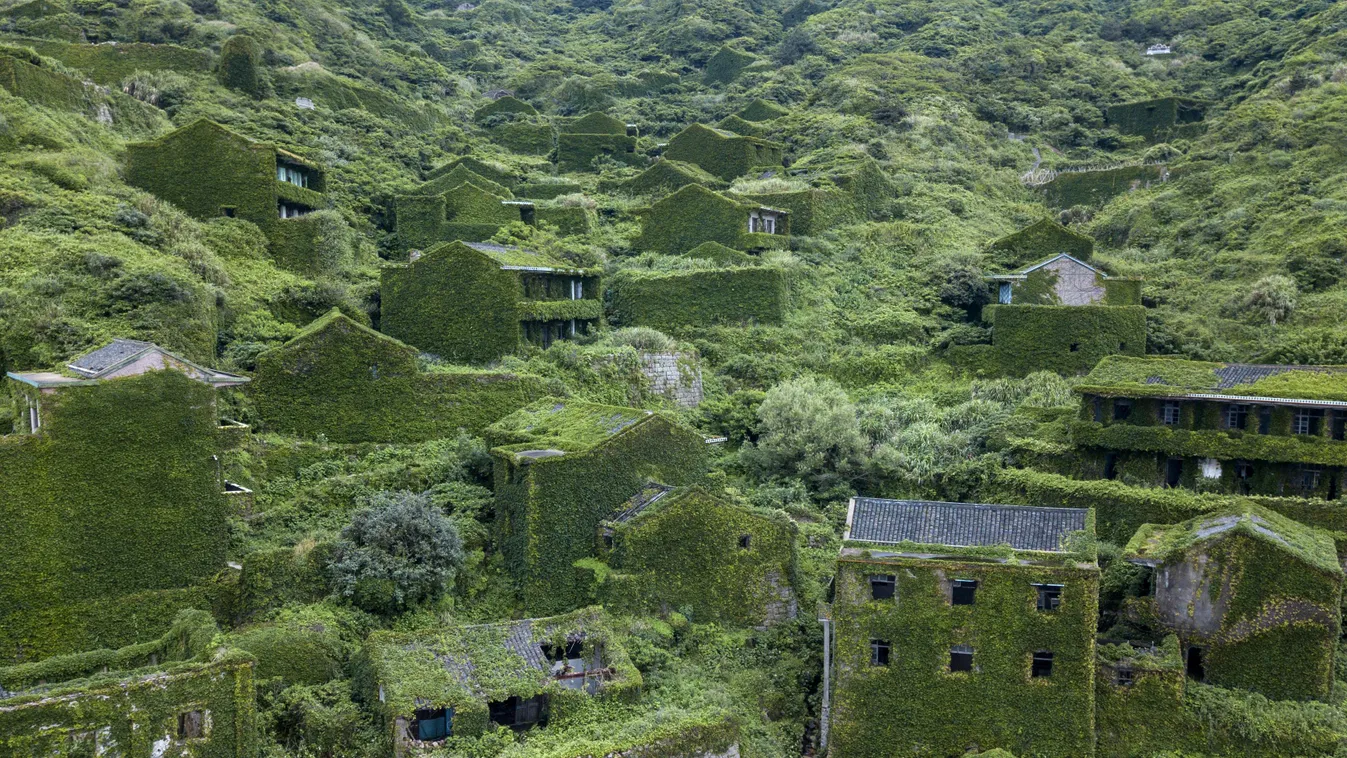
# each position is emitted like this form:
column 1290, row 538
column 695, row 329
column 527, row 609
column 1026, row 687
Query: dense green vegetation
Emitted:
column 856, row 356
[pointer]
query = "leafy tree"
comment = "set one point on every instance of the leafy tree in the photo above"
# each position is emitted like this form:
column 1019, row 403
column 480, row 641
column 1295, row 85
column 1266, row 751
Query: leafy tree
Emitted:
column 808, row 429
column 1273, row 298
column 399, row 551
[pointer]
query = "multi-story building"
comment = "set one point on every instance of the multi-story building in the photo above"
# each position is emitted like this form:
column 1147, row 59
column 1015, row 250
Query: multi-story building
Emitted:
column 1215, row 427
column 962, row 627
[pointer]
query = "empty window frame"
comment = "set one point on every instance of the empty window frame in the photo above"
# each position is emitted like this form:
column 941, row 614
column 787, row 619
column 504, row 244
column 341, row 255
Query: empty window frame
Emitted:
column 1236, row 416
column 1173, row 471
column 1041, row 667
column 1098, row 403
column 1122, row 409
column 1308, row 421
column 192, row 725
column 1123, row 677
column 879, row 652
column 1265, row 421
column 963, row 592
column 1307, row 478
column 1195, row 666
column 229, row 211
column 1338, row 429
column 430, row 724
column 1169, row 413
column 961, row 658
column 883, row 586
column 1049, row 597
column 1110, row 466
column 1244, row 476
column 745, row 541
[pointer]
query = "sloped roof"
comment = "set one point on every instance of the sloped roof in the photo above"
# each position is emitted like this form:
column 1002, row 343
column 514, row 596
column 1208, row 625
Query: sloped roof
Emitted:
column 570, row 426
column 513, row 258
column 207, row 124
column 1025, row 272
column 1120, row 376
column 1155, row 544
column 963, row 524
column 650, row 493
column 596, row 123
column 100, row 363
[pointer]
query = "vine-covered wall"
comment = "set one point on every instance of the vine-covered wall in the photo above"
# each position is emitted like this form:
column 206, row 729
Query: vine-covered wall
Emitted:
column 467, row 212
column 548, row 509
column 1039, row 241
column 119, row 493
column 687, row 553
column 576, row 152
column 453, row 302
column 916, row 705
column 680, row 300
column 1093, row 188
column 694, row 215
column 110, row 64
column 668, row 176
column 1154, row 119
column 1068, row 339
column 349, row 383
column 720, row 153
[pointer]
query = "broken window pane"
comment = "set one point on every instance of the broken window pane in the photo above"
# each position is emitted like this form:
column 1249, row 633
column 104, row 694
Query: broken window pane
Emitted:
column 1049, row 596
column 883, row 586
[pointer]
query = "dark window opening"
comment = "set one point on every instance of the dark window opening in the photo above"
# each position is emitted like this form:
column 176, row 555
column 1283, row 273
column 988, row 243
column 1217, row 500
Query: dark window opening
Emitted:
column 883, row 586
column 1098, row 410
column 1110, row 466
column 745, row 540
column 961, row 658
column 1195, row 667
column 527, row 214
column 1237, row 417
column 1308, row 477
column 519, row 714
column 1308, row 422
column 572, row 649
column 1075, row 347
column 431, row 723
column 229, row 211
column 1333, row 478
column 963, row 591
column 1169, row 413
column 1173, row 471
column 191, row 725
column 608, row 541
column 1122, row 346
column 1042, row 665
column 879, row 652
column 1244, row 476
column 1049, row 596
column 1339, row 425
column 1123, row 677
column 1264, row 420
column 1122, row 409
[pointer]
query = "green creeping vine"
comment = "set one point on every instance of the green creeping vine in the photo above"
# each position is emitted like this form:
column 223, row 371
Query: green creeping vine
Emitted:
column 682, row 300
column 1068, row 339
column 349, row 383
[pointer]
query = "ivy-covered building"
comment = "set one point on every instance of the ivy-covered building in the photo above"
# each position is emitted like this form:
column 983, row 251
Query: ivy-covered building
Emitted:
column 561, row 467
column 1064, row 315
column 459, row 681
column 694, row 215
column 1040, row 241
column 665, row 176
column 596, row 135
column 677, row 301
column 1215, row 427
column 691, row 551
column 516, row 125
column 176, row 695
column 470, row 211
column 1254, row 597
column 962, row 626
column 721, row 153
column 348, row 383
column 112, row 512
column 475, row 302
column 1161, row 118
column 210, row 171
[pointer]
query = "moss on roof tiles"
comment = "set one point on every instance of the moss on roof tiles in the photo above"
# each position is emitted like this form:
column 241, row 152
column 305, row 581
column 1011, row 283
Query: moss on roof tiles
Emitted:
column 1157, row 377
column 568, row 425
column 1163, row 542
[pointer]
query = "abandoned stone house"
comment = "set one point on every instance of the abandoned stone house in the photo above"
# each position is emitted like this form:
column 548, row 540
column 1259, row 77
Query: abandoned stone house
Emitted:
column 1164, row 117
column 475, row 302
column 694, row 215
column 471, row 211
column 126, row 434
column 463, row 680
column 721, row 153
column 1254, row 597
column 1039, row 242
column 702, row 554
column 1064, row 314
column 1215, row 427
column 210, row 171
column 592, row 136
column 992, row 607
column 561, row 467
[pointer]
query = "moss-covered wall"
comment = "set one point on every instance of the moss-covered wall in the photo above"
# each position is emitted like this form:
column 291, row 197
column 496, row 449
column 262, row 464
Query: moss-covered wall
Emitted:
column 1068, row 339
column 915, row 705
column 548, row 510
column 576, row 152
column 453, row 302
column 1097, row 187
column 1154, row 119
column 110, row 64
column 204, row 168
column 466, row 212
column 349, row 383
column 119, row 493
column 694, row 215
column 722, row 154
column 1039, row 241
column 687, row 555
column 667, row 176
column 681, row 300
column 136, row 715
column 813, row 210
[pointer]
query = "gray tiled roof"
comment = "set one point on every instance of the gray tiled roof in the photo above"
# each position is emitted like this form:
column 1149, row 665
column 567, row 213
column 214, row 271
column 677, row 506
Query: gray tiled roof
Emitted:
column 963, row 524
column 1235, row 374
column 519, row 638
column 116, row 351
